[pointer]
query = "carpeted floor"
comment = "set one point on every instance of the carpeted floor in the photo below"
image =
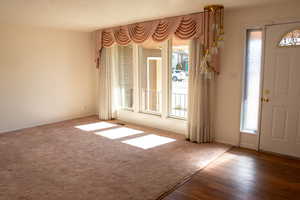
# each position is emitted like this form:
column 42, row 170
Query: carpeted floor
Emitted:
column 72, row 160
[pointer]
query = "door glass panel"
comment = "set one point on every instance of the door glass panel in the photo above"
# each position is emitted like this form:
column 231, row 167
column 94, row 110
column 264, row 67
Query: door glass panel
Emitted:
column 290, row 39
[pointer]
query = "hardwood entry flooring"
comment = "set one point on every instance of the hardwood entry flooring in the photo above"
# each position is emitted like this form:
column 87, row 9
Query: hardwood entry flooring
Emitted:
column 244, row 175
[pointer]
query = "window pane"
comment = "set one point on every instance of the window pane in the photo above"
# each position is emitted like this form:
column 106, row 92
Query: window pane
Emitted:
column 290, row 39
column 179, row 77
column 150, row 63
column 252, row 80
column 125, row 69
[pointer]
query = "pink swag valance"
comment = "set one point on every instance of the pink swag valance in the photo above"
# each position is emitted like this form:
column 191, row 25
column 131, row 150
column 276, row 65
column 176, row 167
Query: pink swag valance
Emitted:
column 183, row 27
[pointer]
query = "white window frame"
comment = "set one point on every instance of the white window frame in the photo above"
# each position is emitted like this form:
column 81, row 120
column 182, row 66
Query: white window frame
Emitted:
column 148, row 83
column 115, row 63
column 138, row 80
column 161, row 120
column 169, row 51
column 242, row 130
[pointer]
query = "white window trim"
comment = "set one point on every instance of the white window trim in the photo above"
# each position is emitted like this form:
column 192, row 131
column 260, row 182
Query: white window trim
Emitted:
column 161, row 120
column 136, row 82
column 165, row 79
column 119, row 100
column 148, row 84
column 138, row 77
column 169, row 84
column 242, row 130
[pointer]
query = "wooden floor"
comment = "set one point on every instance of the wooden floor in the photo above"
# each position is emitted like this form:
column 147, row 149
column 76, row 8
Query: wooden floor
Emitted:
column 243, row 174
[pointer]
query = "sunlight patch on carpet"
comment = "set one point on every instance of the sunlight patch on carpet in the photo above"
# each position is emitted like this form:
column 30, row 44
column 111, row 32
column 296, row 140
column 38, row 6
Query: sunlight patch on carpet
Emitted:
column 95, row 126
column 148, row 141
column 117, row 133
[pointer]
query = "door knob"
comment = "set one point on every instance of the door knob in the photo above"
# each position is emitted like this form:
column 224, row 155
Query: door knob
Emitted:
column 265, row 99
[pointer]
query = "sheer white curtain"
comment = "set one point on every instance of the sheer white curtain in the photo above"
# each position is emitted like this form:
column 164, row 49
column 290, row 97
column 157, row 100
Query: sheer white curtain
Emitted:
column 105, row 85
column 201, row 92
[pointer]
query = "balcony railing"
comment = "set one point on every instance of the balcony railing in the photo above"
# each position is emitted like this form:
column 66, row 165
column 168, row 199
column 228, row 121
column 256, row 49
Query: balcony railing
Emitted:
column 179, row 105
column 151, row 102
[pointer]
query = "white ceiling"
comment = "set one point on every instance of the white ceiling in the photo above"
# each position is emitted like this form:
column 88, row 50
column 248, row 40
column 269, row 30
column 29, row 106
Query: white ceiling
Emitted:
column 89, row 15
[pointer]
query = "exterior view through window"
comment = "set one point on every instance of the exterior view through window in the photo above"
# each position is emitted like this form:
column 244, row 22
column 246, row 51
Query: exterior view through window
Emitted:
column 157, row 85
column 150, row 65
column 125, row 65
column 290, row 39
column 250, row 103
column 179, row 78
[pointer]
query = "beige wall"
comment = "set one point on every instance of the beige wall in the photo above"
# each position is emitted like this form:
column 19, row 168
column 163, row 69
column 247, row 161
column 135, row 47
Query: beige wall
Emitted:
column 45, row 76
column 229, row 85
column 48, row 75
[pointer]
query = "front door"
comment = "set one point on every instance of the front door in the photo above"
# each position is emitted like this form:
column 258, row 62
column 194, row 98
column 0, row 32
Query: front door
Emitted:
column 280, row 122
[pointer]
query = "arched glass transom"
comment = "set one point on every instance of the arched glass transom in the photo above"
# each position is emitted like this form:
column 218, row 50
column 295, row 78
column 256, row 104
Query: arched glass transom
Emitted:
column 290, row 39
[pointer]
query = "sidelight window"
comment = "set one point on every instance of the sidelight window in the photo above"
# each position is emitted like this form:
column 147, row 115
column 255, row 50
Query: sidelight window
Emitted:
column 251, row 90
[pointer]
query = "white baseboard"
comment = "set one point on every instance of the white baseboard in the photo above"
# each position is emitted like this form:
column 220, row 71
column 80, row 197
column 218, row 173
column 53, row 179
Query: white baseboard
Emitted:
column 46, row 122
column 248, row 146
column 167, row 124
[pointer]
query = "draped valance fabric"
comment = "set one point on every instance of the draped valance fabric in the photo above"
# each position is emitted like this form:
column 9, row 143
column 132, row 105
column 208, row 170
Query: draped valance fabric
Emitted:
column 206, row 27
column 184, row 27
